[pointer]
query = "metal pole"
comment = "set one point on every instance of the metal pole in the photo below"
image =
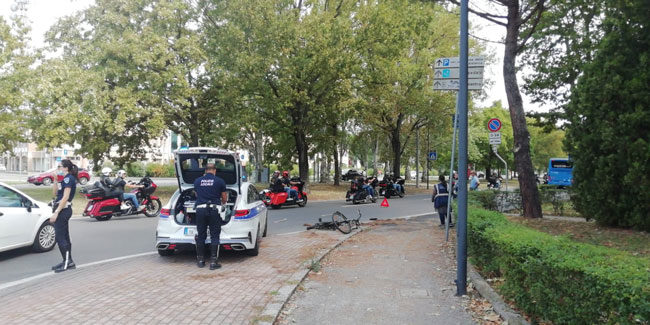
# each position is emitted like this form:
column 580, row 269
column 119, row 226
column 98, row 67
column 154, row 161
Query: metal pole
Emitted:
column 417, row 159
column 461, row 241
column 451, row 173
column 494, row 148
column 428, row 150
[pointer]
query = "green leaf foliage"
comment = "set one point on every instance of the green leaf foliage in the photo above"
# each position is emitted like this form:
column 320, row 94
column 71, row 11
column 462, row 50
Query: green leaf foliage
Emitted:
column 608, row 139
column 557, row 280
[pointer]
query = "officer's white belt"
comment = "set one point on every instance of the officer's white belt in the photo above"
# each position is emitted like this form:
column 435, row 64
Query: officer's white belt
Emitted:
column 206, row 205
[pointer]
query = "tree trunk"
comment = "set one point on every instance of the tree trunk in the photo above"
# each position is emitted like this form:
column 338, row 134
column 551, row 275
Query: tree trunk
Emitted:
column 335, row 151
column 407, row 172
column 322, row 169
column 396, row 145
column 529, row 193
column 303, row 158
column 376, row 156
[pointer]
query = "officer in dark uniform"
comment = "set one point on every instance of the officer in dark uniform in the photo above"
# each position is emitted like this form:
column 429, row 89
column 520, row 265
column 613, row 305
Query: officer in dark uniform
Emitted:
column 62, row 211
column 210, row 194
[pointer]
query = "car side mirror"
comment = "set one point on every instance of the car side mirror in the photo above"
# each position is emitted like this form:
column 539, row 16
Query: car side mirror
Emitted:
column 28, row 204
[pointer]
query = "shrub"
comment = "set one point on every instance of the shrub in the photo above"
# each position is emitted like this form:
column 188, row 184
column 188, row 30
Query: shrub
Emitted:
column 135, row 169
column 555, row 279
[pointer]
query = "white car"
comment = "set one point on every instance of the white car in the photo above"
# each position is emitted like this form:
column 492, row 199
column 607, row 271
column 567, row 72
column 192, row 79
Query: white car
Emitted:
column 24, row 221
column 248, row 214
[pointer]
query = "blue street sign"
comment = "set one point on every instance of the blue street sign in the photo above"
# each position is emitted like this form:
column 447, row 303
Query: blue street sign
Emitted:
column 58, row 158
column 65, row 152
column 445, row 62
column 433, row 155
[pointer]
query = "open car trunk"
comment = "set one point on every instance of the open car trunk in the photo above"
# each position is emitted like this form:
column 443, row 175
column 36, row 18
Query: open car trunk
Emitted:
column 184, row 212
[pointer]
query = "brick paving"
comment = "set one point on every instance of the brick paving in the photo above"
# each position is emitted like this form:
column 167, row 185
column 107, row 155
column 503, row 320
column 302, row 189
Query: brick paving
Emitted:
column 167, row 290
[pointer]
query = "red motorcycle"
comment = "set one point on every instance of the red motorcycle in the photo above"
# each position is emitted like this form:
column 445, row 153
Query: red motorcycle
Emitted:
column 278, row 199
column 104, row 201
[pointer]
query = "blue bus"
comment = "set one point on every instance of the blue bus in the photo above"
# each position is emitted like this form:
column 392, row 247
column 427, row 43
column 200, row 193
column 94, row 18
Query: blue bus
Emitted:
column 560, row 172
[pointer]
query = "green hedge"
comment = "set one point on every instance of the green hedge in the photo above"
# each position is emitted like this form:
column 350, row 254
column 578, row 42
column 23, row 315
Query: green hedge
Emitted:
column 555, row 279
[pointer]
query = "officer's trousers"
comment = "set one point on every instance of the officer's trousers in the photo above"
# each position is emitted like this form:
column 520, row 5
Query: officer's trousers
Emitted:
column 207, row 217
column 63, row 232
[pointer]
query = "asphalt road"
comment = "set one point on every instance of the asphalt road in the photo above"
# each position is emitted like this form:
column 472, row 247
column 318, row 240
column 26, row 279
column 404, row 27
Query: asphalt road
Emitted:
column 94, row 241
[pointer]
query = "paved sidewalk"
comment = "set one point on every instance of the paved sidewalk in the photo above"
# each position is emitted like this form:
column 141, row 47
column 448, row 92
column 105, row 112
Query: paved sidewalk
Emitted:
column 394, row 272
column 167, row 290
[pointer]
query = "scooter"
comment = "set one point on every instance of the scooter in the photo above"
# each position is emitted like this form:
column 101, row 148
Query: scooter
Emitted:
column 357, row 194
column 279, row 199
column 104, row 202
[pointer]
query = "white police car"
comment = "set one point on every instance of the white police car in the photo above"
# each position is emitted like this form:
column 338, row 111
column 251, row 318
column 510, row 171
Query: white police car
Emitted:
column 24, row 221
column 248, row 214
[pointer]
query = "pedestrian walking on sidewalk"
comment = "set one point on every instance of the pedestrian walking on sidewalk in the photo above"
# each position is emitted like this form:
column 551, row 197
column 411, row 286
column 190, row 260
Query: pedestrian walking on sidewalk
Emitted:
column 62, row 211
column 440, row 199
column 210, row 194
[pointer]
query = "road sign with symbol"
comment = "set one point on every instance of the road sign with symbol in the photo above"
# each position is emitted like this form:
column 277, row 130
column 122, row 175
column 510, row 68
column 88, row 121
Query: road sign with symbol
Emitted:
column 454, row 73
column 472, row 61
column 446, row 73
column 433, row 155
column 494, row 125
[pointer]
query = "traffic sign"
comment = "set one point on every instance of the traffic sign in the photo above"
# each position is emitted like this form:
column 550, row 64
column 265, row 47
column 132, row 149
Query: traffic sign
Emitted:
column 454, row 73
column 433, row 155
column 495, row 138
column 472, row 61
column 494, row 125
column 454, row 84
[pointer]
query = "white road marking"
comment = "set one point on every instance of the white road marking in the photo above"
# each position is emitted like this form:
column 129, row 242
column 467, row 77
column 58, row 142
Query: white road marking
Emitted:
column 46, row 274
column 282, row 220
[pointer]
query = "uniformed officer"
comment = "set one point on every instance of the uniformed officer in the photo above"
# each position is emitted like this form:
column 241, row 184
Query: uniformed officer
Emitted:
column 210, row 194
column 62, row 211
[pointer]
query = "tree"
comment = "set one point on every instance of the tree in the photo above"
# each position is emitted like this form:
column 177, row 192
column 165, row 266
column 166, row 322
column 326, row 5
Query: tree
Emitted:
column 520, row 19
column 293, row 58
column 562, row 43
column 15, row 73
column 128, row 71
column 608, row 138
column 397, row 42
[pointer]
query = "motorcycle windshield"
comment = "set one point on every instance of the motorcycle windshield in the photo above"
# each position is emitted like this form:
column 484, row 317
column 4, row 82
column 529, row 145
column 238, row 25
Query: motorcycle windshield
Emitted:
column 191, row 163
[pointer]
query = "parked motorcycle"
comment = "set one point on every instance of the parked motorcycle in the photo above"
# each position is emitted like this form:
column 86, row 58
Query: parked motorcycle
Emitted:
column 494, row 183
column 357, row 194
column 279, row 199
column 387, row 188
column 104, row 202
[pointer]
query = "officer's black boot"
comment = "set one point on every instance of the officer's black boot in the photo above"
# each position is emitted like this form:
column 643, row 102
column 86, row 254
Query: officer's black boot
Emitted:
column 214, row 255
column 67, row 264
column 200, row 252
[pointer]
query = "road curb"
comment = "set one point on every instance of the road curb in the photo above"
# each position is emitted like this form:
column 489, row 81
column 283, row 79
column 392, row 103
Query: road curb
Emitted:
column 273, row 308
column 499, row 306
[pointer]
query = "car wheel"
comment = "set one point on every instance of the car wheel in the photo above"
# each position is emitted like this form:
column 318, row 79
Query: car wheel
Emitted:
column 83, row 181
column 104, row 218
column 166, row 252
column 256, row 250
column 153, row 208
column 47, row 181
column 45, row 238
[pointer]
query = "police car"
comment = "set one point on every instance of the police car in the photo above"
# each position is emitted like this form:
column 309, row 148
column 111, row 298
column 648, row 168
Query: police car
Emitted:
column 245, row 210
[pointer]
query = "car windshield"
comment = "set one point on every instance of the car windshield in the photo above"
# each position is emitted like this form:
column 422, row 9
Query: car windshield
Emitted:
column 193, row 166
column 561, row 164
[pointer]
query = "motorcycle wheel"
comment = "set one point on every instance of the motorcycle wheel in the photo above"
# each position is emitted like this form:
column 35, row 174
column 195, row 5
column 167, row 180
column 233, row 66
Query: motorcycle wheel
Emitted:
column 104, row 218
column 153, row 208
column 400, row 194
column 304, row 201
column 275, row 206
column 373, row 199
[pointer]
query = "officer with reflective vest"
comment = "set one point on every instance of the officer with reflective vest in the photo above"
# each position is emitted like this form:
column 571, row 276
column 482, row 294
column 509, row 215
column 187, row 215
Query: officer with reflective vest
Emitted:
column 211, row 193
column 440, row 200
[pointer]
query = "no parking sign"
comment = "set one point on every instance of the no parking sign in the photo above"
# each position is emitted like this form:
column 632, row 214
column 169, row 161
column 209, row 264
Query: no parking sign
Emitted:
column 494, row 125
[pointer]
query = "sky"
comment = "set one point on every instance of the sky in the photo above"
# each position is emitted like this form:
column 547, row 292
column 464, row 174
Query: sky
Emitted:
column 44, row 13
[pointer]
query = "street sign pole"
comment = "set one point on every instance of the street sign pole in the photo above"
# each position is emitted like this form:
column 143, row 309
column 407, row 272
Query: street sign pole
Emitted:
column 417, row 159
column 461, row 242
column 428, row 149
column 451, row 173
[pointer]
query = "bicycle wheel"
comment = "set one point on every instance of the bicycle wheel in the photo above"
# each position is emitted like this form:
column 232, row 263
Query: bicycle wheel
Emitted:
column 341, row 222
